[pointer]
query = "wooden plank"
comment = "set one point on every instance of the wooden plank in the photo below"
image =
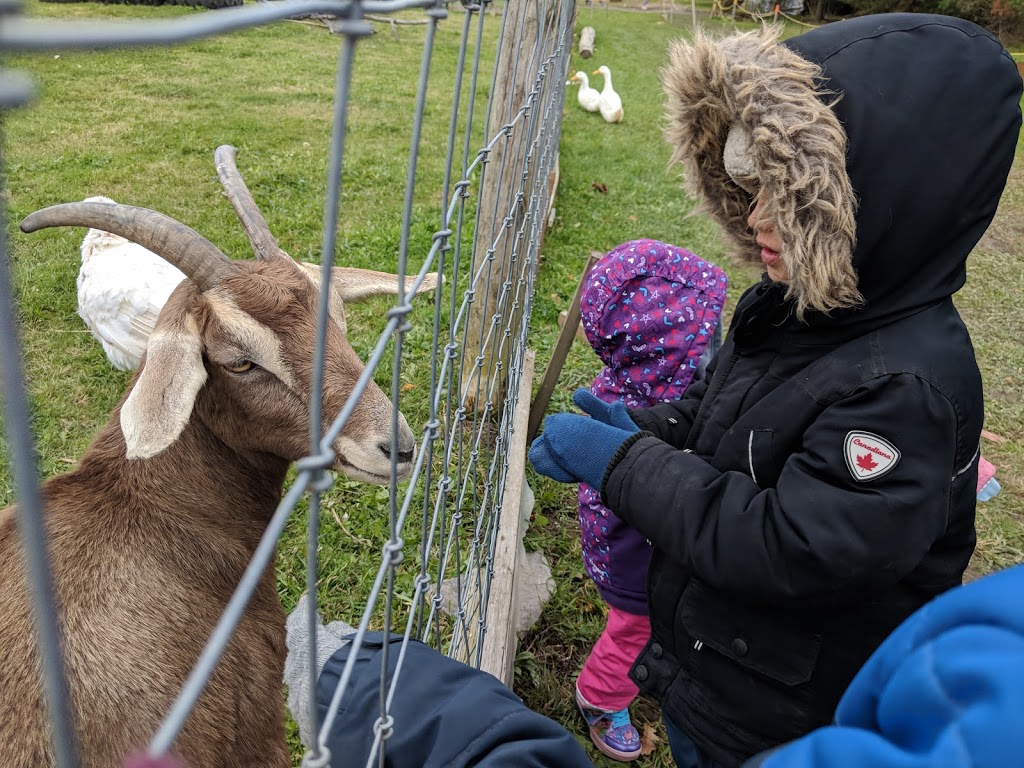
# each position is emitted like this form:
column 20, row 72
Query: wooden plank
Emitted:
column 500, row 640
column 560, row 352
column 581, row 335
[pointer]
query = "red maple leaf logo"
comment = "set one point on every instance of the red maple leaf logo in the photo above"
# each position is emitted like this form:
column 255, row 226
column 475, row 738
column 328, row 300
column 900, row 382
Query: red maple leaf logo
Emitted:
column 866, row 462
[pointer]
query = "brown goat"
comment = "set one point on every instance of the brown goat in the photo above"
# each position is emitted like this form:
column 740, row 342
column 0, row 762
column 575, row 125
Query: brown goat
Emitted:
column 151, row 532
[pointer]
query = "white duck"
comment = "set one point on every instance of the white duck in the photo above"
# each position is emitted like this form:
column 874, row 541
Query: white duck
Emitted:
column 610, row 104
column 588, row 97
column 121, row 289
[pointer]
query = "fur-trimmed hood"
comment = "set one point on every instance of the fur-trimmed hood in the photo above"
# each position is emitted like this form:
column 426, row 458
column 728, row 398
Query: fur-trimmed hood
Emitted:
column 880, row 147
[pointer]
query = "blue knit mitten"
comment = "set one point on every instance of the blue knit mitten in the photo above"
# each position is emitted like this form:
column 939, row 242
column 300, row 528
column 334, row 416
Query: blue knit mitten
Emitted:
column 576, row 449
column 614, row 414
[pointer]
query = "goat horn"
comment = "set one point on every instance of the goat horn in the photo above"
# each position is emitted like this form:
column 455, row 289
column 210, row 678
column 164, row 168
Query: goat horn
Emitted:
column 264, row 245
column 201, row 261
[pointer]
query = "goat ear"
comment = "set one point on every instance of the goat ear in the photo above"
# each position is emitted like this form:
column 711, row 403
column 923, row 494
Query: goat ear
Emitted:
column 356, row 284
column 160, row 404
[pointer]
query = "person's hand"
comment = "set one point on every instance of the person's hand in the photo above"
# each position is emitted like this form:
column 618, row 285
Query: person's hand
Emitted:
column 576, row 449
column 614, row 414
column 296, row 665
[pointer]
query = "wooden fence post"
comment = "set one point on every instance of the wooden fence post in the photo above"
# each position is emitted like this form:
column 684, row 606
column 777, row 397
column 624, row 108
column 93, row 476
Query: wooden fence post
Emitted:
column 499, row 651
column 500, row 213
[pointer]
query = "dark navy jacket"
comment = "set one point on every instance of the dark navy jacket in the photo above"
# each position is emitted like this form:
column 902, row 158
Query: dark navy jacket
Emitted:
column 445, row 714
column 826, row 486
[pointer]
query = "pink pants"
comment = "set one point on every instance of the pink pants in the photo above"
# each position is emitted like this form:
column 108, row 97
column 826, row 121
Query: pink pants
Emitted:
column 604, row 681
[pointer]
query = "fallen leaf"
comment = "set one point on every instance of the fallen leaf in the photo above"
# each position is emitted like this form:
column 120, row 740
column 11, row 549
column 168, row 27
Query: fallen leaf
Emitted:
column 992, row 437
column 632, row 218
column 408, row 387
column 649, row 740
column 602, row 188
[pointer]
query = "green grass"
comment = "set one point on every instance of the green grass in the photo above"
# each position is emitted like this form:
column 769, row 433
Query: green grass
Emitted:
column 141, row 126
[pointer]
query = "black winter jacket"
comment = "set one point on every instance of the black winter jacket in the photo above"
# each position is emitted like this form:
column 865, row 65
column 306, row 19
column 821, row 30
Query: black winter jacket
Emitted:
column 826, row 484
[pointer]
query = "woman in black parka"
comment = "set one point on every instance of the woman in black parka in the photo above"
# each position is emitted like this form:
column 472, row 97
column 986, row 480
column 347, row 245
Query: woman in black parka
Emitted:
column 818, row 486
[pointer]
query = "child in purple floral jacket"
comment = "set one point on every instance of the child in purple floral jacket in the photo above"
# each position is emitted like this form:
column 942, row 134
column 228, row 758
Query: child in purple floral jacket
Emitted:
column 651, row 311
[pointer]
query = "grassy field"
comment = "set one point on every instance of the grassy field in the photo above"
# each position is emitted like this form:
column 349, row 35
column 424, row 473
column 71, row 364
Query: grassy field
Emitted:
column 141, row 126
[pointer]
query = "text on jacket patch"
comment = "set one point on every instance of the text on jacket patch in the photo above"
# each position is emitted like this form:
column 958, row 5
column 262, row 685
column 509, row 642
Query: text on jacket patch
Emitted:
column 869, row 456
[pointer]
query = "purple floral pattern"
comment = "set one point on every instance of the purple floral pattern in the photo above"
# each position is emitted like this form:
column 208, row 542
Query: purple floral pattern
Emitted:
column 650, row 310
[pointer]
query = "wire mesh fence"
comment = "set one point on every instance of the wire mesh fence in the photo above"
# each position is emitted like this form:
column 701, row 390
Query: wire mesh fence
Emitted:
column 445, row 526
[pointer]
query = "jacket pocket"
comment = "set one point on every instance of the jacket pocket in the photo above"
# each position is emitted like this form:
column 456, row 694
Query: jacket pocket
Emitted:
column 751, row 638
column 752, row 670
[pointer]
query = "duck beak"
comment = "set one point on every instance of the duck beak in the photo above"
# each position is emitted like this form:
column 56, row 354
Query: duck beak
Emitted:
column 596, row 72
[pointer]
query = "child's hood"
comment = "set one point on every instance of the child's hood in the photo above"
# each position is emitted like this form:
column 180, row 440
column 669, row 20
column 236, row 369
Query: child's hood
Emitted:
column 881, row 144
column 649, row 310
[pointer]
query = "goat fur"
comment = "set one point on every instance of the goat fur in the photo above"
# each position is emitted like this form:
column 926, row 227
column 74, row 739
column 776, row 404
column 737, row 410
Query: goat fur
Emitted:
column 146, row 552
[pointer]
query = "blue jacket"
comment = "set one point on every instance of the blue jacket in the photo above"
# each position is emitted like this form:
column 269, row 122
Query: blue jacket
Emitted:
column 945, row 690
column 445, row 714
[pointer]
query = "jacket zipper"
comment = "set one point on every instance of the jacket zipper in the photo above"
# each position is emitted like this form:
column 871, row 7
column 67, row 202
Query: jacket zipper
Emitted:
column 716, row 385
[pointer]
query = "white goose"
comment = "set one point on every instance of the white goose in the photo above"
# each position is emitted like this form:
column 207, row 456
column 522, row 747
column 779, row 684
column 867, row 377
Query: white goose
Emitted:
column 611, row 103
column 588, row 97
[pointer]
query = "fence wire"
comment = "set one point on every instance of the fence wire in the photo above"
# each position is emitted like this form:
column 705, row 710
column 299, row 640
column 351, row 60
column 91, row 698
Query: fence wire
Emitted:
column 495, row 202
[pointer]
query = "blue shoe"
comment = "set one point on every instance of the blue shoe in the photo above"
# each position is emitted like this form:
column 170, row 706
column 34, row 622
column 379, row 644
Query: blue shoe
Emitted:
column 611, row 732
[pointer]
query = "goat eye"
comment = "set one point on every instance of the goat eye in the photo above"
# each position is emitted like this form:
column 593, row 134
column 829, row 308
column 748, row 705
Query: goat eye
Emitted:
column 241, row 366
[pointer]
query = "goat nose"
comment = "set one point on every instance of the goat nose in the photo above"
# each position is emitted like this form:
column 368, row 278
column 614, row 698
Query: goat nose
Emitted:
column 404, row 454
